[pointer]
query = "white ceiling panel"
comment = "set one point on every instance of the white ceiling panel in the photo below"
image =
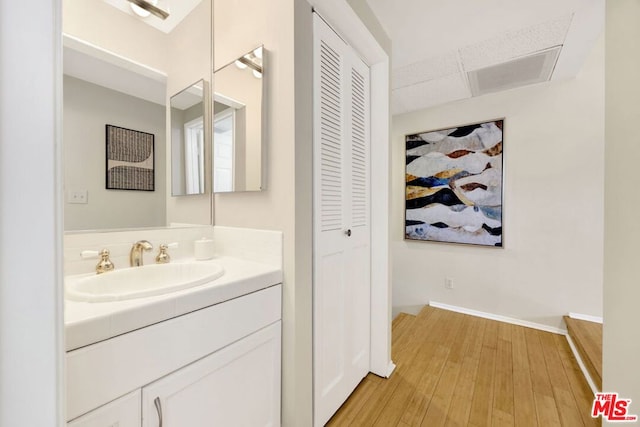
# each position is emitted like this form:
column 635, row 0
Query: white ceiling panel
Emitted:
column 428, row 69
column 436, row 43
column 514, row 44
column 430, row 93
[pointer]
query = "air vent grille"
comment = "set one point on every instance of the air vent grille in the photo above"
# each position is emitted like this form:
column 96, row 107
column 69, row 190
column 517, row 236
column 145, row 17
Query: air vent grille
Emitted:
column 530, row 69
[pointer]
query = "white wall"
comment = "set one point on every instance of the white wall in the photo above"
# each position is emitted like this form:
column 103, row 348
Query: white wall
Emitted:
column 87, row 109
column 189, row 48
column 622, row 229
column 551, row 263
column 368, row 18
column 236, row 32
column 96, row 22
column 31, row 332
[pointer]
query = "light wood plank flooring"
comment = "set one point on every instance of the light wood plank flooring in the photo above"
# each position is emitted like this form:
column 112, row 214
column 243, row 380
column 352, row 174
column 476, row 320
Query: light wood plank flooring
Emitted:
column 587, row 337
column 458, row 370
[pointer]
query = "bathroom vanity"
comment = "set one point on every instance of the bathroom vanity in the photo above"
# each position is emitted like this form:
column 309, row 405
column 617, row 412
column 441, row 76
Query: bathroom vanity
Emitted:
column 203, row 356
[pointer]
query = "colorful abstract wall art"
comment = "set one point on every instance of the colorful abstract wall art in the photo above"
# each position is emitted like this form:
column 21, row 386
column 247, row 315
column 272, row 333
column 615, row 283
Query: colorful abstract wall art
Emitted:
column 130, row 159
column 454, row 185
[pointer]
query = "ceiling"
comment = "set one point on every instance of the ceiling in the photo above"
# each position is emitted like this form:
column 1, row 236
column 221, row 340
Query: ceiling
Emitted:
column 94, row 64
column 445, row 51
column 178, row 10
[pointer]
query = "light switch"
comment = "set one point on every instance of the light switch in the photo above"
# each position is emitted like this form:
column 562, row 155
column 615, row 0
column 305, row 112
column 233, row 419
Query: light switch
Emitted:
column 78, row 197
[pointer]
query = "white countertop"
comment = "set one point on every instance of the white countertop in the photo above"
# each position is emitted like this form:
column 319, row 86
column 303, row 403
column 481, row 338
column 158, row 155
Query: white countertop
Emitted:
column 88, row 323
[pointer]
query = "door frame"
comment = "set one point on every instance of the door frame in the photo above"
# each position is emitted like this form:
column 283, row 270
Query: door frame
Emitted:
column 348, row 25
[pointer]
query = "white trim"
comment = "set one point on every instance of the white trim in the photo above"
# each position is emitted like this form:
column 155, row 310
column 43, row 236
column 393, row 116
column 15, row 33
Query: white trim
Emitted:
column 113, row 58
column 223, row 99
column 587, row 317
column 499, row 318
column 31, row 302
column 390, row 369
column 583, row 368
column 380, row 263
column 341, row 17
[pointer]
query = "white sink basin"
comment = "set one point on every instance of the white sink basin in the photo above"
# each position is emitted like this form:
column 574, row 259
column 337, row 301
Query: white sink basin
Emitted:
column 138, row 282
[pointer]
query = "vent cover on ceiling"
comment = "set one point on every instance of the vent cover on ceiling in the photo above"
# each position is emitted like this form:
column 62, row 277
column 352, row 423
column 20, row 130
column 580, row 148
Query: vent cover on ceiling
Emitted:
column 535, row 68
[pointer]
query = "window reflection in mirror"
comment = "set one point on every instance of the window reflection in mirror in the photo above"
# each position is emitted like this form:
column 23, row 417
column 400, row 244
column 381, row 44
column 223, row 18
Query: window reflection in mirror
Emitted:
column 229, row 125
column 237, row 125
column 188, row 140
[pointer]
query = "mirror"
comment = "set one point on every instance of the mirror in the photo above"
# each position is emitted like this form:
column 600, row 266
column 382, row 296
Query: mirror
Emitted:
column 119, row 70
column 188, row 137
column 238, row 124
column 94, row 97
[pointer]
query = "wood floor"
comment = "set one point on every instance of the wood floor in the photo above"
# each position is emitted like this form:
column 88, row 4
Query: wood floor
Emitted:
column 587, row 337
column 458, row 370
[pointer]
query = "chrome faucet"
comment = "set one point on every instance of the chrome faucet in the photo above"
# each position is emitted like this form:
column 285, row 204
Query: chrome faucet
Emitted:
column 135, row 256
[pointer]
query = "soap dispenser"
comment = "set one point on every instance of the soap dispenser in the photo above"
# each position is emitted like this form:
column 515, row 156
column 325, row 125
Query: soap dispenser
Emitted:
column 105, row 263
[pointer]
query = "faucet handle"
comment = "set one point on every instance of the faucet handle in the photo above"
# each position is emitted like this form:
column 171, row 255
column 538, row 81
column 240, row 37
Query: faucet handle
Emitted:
column 89, row 254
column 105, row 263
column 163, row 257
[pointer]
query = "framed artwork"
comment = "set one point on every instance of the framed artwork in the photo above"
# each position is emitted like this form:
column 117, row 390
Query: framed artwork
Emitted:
column 454, row 184
column 130, row 159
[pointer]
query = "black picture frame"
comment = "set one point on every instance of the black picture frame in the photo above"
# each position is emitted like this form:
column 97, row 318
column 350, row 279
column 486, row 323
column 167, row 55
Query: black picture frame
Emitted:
column 130, row 159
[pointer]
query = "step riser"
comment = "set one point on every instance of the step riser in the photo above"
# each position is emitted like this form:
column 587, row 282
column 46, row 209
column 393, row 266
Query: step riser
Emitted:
column 587, row 341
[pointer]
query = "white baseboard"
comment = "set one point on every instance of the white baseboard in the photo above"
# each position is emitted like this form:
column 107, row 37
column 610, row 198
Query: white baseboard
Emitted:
column 498, row 317
column 583, row 368
column 587, row 317
column 390, row 368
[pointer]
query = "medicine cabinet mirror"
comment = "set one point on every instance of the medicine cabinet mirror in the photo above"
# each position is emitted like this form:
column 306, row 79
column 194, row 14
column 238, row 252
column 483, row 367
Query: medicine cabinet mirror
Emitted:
column 238, row 136
column 189, row 139
column 121, row 69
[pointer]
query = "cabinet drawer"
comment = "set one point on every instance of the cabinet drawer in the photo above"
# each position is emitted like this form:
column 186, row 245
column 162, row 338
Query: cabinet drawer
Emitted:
column 123, row 412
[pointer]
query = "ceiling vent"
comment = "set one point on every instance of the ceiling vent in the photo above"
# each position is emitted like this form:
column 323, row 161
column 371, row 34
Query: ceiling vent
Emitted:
column 530, row 69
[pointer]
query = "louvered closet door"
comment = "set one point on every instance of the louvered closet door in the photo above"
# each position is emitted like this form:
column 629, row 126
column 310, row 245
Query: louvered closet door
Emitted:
column 341, row 222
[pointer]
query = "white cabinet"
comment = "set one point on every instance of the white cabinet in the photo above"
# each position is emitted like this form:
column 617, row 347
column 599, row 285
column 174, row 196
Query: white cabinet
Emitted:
column 219, row 366
column 236, row 386
column 123, row 412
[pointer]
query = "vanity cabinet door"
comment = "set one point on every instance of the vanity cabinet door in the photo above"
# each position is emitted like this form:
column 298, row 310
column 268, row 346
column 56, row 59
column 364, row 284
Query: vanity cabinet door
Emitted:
column 122, row 412
column 238, row 385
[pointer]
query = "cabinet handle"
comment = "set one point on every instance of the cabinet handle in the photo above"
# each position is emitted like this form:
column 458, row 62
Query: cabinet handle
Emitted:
column 156, row 402
column 348, row 233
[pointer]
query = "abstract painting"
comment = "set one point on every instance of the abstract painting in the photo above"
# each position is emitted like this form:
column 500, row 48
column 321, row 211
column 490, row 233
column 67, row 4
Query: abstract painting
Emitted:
column 130, row 160
column 454, row 185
